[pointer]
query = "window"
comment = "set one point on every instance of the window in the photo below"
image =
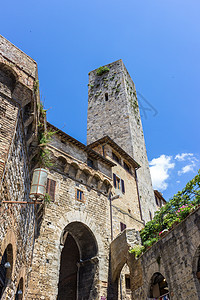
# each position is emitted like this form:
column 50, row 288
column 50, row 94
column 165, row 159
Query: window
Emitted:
column 127, row 282
column 116, row 158
column 150, row 215
column 106, row 96
column 51, row 186
column 127, row 168
column 156, row 200
column 79, row 195
column 122, row 226
column 118, row 183
column 91, row 163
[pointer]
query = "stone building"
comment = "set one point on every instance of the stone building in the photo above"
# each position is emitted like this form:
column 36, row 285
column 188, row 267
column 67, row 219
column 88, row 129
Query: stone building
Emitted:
column 76, row 246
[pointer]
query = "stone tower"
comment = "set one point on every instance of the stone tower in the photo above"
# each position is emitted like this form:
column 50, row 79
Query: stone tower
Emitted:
column 113, row 110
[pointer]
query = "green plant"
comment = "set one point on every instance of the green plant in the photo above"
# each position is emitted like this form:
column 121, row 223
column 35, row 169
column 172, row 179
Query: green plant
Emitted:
column 184, row 211
column 175, row 210
column 36, row 86
column 91, row 85
column 137, row 250
column 47, row 198
column 102, row 70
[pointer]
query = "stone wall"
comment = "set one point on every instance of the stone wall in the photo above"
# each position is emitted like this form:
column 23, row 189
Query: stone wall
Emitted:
column 17, row 221
column 113, row 111
column 175, row 256
column 84, row 220
column 18, row 129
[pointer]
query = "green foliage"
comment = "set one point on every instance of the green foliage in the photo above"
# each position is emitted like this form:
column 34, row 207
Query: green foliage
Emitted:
column 174, row 211
column 42, row 110
column 102, row 70
column 44, row 137
column 47, row 198
column 36, row 86
column 137, row 250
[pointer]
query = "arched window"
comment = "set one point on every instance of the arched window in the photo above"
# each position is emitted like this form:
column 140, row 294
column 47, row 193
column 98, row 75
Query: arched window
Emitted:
column 6, row 268
column 19, row 292
column 61, row 163
column 159, row 287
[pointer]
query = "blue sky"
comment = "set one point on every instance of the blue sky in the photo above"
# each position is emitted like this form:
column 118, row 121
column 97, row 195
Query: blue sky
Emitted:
column 159, row 44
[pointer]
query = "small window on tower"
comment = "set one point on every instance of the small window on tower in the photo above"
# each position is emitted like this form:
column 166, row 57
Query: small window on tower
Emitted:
column 106, row 96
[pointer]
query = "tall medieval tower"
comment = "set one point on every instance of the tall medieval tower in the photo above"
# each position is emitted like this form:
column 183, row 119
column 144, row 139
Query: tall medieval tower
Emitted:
column 113, row 111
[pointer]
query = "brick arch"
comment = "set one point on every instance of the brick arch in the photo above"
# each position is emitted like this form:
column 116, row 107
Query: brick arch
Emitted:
column 78, row 216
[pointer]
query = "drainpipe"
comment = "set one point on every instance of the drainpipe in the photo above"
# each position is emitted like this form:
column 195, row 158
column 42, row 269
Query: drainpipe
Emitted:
column 111, row 227
column 138, row 193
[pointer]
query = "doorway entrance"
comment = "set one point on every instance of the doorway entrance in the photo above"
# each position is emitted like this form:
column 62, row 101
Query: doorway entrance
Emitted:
column 78, row 264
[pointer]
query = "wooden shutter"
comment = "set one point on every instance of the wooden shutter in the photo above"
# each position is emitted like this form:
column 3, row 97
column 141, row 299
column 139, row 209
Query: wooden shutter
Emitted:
column 114, row 180
column 51, row 186
column 123, row 186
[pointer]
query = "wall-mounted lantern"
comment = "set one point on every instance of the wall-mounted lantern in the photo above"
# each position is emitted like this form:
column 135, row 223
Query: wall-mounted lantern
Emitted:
column 38, row 185
column 38, row 188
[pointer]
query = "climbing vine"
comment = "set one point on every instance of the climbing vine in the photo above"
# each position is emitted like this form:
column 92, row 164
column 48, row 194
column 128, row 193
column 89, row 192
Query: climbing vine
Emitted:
column 174, row 212
column 44, row 137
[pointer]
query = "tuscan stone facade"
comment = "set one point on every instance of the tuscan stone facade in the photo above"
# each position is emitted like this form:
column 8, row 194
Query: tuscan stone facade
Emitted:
column 76, row 246
column 113, row 110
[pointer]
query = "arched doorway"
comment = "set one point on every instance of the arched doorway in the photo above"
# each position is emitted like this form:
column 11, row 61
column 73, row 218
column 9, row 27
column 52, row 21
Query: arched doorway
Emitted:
column 19, row 292
column 78, row 263
column 159, row 287
column 6, row 268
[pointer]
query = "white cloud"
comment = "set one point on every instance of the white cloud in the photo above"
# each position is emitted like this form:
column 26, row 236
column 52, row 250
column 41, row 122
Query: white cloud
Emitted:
column 192, row 162
column 183, row 156
column 187, row 168
column 159, row 168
